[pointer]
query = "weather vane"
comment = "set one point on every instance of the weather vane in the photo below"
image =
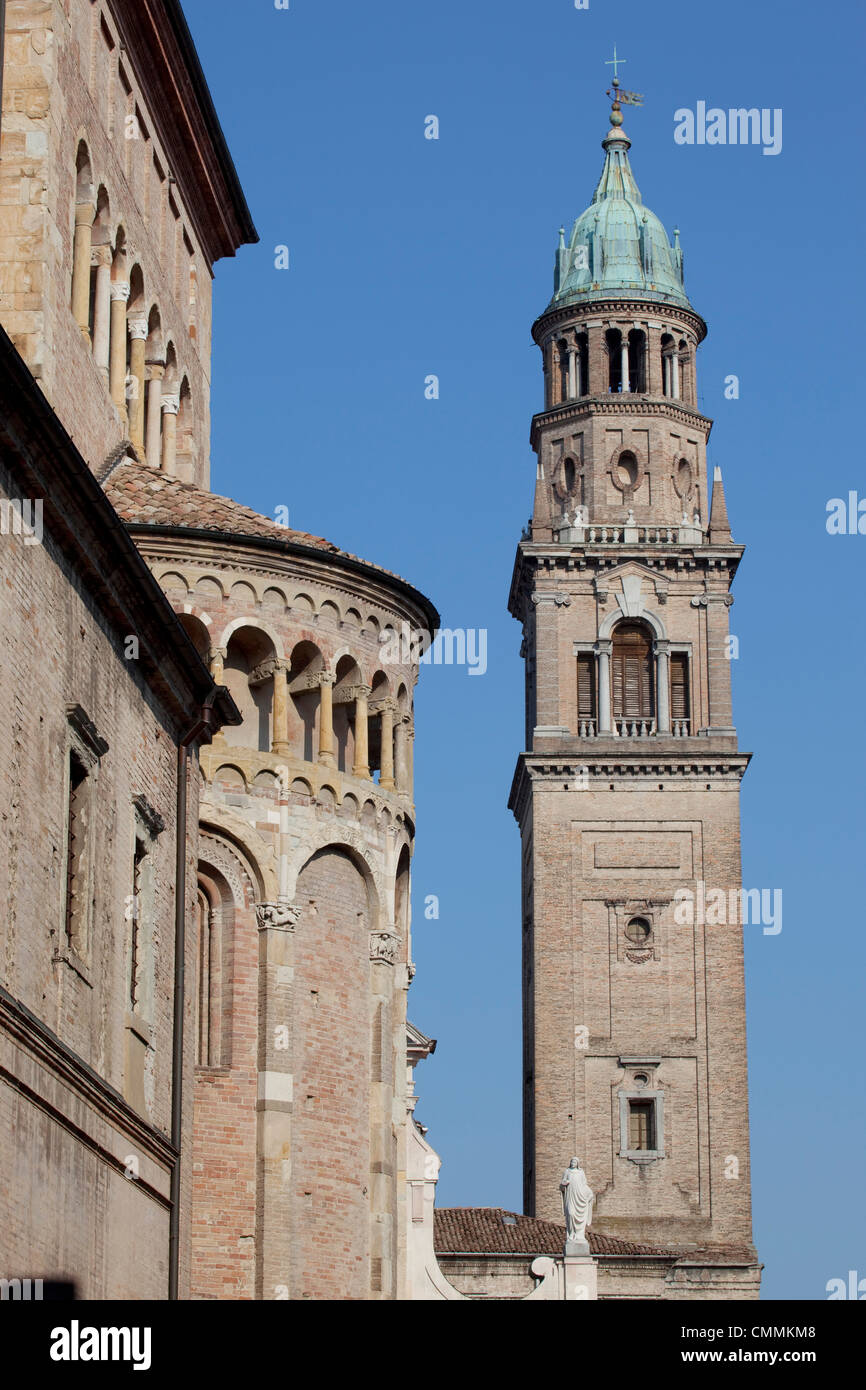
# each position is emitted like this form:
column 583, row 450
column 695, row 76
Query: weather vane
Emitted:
column 621, row 97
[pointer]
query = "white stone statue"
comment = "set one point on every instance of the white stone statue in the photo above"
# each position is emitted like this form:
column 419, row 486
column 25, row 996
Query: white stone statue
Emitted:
column 577, row 1199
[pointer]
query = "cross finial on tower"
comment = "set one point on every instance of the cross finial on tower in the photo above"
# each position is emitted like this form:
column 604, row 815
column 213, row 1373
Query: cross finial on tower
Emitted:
column 618, row 97
column 613, row 62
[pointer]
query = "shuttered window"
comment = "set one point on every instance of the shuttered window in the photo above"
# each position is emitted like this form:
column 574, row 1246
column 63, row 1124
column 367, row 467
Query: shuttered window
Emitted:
column 632, row 673
column 679, row 685
column 586, row 685
column 641, row 1125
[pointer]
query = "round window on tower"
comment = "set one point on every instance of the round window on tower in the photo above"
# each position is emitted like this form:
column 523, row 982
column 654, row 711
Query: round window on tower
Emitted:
column 626, row 470
column 638, row 931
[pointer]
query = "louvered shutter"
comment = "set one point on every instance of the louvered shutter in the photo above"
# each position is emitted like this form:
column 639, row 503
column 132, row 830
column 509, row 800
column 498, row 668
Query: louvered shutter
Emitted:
column 586, row 685
column 679, row 685
column 632, row 673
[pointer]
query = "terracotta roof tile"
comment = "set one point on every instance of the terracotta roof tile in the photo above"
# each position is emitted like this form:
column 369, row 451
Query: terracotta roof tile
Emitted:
column 470, row 1230
column 141, row 496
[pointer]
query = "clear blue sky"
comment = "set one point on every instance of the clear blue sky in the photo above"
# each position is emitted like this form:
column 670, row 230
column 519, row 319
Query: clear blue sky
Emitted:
column 411, row 257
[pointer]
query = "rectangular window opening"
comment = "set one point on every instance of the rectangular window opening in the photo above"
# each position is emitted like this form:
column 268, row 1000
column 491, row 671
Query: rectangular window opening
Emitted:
column 641, row 1125
column 76, row 850
column 135, row 921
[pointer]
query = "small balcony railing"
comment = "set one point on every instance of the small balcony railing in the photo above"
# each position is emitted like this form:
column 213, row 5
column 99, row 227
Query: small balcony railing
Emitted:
column 640, row 535
column 634, row 728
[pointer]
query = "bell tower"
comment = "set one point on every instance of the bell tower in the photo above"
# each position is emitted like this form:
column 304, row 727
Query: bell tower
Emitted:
column 627, row 793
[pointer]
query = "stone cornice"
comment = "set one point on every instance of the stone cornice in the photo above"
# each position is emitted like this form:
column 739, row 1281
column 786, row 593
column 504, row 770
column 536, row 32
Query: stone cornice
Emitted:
column 272, row 558
column 159, row 47
column 635, row 308
column 652, row 758
column 618, row 404
column 583, row 561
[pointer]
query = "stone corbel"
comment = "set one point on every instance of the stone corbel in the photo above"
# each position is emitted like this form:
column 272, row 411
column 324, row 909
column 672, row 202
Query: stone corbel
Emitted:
column 384, row 947
column 151, row 817
column 281, row 916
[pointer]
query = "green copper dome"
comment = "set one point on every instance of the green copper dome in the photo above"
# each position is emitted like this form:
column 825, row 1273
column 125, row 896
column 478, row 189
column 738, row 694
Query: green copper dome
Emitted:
column 618, row 246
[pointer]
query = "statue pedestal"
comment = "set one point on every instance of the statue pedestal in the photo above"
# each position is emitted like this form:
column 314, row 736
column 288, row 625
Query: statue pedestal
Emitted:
column 581, row 1274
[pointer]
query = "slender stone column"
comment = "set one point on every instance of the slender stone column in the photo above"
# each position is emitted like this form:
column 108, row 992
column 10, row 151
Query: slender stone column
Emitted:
column 102, row 308
column 410, row 756
column 217, row 657
column 361, row 765
column 81, row 258
column 663, row 701
column 675, row 367
column 170, row 407
column 280, row 740
column 386, row 952
column 117, row 350
column 667, row 373
column 624, row 363
column 603, row 649
column 326, row 718
column 572, row 373
column 153, row 444
column 579, row 383
column 402, row 769
column 138, row 336
column 276, row 923
column 386, row 768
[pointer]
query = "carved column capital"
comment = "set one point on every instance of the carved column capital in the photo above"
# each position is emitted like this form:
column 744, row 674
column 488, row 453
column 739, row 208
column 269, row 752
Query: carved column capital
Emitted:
column 386, row 703
column 137, row 328
column 170, row 404
column 120, row 290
